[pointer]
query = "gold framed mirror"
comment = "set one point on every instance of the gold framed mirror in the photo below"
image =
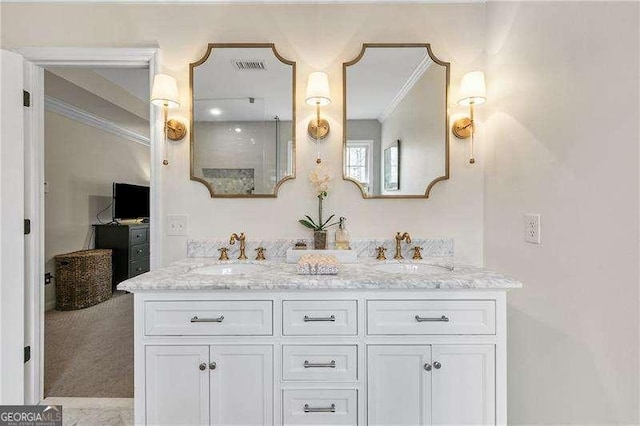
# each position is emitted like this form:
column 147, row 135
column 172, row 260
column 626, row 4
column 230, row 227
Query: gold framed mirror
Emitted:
column 243, row 120
column 396, row 120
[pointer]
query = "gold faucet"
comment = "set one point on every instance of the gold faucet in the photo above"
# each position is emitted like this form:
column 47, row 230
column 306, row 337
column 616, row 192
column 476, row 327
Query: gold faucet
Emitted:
column 380, row 253
column 242, row 239
column 223, row 253
column 399, row 239
column 417, row 253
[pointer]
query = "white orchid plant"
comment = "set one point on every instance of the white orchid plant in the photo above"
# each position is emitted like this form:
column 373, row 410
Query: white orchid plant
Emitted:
column 320, row 178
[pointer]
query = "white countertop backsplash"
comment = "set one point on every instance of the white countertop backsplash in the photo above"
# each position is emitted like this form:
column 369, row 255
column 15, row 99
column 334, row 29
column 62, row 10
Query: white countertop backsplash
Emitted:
column 276, row 249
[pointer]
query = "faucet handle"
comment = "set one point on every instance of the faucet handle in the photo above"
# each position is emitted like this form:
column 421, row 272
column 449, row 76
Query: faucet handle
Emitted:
column 417, row 255
column 260, row 255
column 223, row 253
column 380, row 253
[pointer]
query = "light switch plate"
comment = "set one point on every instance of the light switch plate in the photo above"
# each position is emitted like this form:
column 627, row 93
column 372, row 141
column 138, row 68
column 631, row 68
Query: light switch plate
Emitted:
column 177, row 224
column 532, row 228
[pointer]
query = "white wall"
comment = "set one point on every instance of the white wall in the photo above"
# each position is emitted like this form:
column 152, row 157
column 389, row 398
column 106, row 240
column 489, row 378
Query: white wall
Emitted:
column 318, row 37
column 81, row 163
column 562, row 134
column 422, row 147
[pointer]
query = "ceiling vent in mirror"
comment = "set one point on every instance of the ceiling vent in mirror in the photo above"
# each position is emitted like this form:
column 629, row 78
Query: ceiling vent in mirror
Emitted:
column 249, row 65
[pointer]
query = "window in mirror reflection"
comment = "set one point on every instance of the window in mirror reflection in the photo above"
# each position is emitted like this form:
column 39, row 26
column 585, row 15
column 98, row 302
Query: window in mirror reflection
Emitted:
column 359, row 162
column 396, row 93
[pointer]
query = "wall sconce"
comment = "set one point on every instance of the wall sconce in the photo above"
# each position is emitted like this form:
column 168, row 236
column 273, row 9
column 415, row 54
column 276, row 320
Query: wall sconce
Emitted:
column 472, row 92
column 165, row 95
column 318, row 94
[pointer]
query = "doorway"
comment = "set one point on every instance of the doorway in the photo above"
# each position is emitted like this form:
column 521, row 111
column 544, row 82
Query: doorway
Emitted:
column 96, row 134
column 37, row 59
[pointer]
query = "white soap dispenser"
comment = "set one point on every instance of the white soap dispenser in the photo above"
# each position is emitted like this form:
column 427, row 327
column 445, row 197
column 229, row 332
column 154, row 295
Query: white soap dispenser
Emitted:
column 342, row 236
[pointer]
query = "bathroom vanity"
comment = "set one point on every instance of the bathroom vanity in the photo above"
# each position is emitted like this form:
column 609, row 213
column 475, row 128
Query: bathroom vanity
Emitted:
column 381, row 343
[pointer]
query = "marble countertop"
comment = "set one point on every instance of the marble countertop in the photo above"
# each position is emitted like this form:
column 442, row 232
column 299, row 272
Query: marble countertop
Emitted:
column 278, row 275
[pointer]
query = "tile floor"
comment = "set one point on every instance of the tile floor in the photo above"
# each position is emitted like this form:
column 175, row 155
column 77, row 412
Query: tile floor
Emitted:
column 94, row 411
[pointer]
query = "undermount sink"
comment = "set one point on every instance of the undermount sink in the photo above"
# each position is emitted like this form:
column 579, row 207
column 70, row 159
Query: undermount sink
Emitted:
column 230, row 269
column 410, row 268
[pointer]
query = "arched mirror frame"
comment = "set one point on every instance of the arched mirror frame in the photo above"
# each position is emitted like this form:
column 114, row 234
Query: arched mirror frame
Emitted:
column 192, row 66
column 344, row 118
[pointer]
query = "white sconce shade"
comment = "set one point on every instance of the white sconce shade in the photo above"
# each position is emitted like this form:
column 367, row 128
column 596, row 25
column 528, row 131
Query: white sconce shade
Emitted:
column 165, row 91
column 472, row 89
column 318, row 89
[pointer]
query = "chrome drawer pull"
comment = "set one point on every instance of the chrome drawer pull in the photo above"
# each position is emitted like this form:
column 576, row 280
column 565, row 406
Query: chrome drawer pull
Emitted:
column 307, row 318
column 443, row 318
column 196, row 319
column 308, row 409
column 331, row 364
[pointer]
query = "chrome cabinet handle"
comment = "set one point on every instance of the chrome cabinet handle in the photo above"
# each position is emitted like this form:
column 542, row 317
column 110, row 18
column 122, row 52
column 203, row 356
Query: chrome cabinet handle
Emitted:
column 437, row 365
column 307, row 318
column 202, row 366
column 427, row 366
column 213, row 366
column 443, row 318
column 331, row 364
column 330, row 409
column 196, row 319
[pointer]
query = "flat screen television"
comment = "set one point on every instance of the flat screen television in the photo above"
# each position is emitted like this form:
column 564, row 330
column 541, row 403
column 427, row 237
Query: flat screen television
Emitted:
column 130, row 201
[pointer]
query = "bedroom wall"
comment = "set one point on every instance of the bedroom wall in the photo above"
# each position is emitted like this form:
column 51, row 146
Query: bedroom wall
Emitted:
column 81, row 163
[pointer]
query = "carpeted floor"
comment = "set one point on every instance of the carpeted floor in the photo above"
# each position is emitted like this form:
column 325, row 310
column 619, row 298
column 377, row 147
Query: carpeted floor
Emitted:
column 89, row 352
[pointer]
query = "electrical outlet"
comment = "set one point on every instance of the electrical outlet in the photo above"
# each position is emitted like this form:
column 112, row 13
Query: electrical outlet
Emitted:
column 532, row 228
column 177, row 224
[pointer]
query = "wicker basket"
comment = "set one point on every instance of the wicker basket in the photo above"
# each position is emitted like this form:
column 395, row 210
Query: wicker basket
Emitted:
column 83, row 279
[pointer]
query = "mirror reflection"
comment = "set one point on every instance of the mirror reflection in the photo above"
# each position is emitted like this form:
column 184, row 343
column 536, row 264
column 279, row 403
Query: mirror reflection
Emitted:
column 243, row 120
column 396, row 140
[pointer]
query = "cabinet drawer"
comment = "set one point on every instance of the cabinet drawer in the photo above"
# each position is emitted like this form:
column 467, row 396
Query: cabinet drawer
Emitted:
column 431, row 317
column 138, row 267
column 320, row 407
column 138, row 235
column 319, row 317
column 202, row 318
column 139, row 251
column 320, row 363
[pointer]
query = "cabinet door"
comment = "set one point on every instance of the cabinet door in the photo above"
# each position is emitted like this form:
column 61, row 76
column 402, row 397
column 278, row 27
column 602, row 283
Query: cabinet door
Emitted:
column 177, row 385
column 242, row 385
column 463, row 384
column 399, row 386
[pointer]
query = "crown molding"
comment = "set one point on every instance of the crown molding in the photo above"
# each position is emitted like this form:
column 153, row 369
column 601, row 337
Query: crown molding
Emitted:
column 132, row 57
column 84, row 117
column 408, row 85
column 232, row 2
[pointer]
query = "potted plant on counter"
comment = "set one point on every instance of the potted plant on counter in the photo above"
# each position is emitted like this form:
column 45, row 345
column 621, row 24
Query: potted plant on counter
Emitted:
column 320, row 178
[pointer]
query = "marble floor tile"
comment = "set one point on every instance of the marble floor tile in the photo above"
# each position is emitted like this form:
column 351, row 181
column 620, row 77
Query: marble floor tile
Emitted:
column 94, row 411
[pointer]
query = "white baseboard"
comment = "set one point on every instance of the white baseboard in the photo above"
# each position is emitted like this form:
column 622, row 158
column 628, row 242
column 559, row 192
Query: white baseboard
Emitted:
column 49, row 305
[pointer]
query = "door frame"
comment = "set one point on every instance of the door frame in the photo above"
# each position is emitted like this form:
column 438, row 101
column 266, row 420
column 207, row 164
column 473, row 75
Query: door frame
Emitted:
column 36, row 58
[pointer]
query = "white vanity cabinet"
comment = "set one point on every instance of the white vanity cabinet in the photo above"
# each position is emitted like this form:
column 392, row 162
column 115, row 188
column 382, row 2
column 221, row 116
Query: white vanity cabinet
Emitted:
column 422, row 385
column 314, row 357
column 201, row 385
